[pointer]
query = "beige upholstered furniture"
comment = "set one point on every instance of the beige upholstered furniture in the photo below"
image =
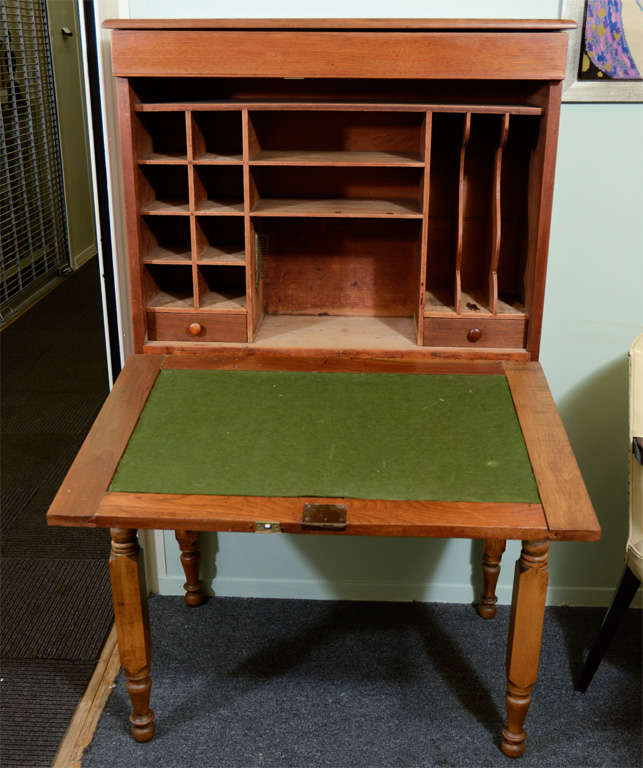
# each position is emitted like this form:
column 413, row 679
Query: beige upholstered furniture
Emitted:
column 634, row 556
column 633, row 574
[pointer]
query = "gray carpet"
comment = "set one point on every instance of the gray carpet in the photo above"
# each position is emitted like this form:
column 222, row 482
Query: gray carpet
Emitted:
column 299, row 684
column 37, row 701
column 55, row 605
column 54, row 609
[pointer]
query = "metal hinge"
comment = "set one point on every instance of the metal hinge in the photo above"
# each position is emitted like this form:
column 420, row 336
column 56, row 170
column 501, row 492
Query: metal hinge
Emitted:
column 263, row 526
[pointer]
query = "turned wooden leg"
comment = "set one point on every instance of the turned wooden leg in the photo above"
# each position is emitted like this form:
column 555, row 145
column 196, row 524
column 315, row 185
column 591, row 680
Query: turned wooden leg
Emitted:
column 132, row 627
column 189, row 545
column 523, row 645
column 493, row 549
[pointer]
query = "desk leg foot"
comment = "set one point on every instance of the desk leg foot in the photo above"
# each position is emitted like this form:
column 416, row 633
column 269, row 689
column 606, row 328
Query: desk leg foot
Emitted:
column 493, row 549
column 132, row 627
column 523, row 644
column 142, row 717
column 189, row 546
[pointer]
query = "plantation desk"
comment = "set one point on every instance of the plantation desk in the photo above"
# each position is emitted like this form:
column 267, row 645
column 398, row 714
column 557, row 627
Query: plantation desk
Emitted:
column 337, row 236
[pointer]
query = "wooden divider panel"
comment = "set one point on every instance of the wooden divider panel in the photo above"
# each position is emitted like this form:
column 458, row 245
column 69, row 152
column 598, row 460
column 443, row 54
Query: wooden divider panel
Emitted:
column 424, row 235
column 457, row 286
column 496, row 214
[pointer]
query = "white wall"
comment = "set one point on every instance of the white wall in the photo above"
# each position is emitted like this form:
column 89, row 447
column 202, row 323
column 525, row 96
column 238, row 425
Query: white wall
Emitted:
column 593, row 310
column 346, row 9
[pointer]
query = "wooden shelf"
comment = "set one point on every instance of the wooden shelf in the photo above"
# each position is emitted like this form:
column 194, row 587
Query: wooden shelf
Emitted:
column 336, row 106
column 343, row 158
column 165, row 207
column 229, row 207
column 174, row 300
column 230, row 301
column 506, row 308
column 161, row 158
column 168, row 255
column 437, row 305
column 340, row 208
column 212, row 158
column 332, row 332
column 212, row 255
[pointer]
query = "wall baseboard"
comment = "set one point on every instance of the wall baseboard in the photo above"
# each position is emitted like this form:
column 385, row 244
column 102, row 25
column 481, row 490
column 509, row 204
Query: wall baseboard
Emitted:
column 311, row 589
column 82, row 257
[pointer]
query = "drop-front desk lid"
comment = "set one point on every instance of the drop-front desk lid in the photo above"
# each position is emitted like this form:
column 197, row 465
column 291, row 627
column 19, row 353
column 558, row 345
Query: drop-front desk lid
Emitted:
column 469, row 449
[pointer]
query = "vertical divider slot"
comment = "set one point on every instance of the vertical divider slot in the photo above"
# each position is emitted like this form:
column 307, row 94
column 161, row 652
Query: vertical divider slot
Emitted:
column 496, row 217
column 519, row 178
column 425, row 152
column 249, row 148
column 189, row 129
column 462, row 190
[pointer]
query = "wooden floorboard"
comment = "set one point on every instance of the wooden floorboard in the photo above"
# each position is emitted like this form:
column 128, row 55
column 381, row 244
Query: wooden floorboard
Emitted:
column 90, row 707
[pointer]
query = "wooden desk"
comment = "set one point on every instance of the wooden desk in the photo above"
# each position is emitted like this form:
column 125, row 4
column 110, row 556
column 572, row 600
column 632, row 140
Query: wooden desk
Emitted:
column 337, row 196
column 551, row 503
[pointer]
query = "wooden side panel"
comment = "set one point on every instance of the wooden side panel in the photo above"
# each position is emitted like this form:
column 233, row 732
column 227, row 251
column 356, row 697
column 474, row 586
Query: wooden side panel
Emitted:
column 568, row 508
column 130, row 199
column 89, row 476
column 364, row 517
column 513, row 55
column 541, row 194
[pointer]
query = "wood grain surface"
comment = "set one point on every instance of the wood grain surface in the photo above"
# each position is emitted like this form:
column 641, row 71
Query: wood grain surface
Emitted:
column 568, row 508
column 364, row 517
column 541, row 196
column 523, row 642
column 512, row 55
column 345, row 363
column 294, row 105
column 505, row 333
column 86, row 482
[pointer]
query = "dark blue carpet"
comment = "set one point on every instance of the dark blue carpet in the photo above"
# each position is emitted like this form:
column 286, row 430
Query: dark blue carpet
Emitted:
column 239, row 683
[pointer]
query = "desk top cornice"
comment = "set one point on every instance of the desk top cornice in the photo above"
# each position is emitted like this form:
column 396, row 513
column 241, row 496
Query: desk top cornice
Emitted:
column 408, row 25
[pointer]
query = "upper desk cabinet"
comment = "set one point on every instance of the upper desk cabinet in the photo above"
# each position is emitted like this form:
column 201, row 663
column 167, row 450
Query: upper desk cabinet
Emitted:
column 379, row 187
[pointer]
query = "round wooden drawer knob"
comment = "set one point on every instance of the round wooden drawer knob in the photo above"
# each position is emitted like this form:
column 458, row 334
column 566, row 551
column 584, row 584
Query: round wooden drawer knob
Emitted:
column 194, row 329
column 474, row 334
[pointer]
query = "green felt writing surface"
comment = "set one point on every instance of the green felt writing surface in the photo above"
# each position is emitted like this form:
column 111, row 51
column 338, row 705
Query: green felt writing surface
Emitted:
column 359, row 435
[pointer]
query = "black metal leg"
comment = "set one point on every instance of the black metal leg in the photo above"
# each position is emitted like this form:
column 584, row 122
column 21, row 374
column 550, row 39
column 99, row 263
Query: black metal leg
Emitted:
column 621, row 602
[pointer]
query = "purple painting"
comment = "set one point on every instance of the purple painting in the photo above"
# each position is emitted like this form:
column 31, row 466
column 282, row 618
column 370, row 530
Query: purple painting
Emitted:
column 612, row 40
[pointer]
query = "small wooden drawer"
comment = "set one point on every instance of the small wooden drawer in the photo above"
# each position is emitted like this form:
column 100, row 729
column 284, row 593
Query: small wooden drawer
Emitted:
column 196, row 326
column 505, row 332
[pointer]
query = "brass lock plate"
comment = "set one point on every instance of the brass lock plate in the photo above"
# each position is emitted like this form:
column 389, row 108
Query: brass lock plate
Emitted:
column 324, row 517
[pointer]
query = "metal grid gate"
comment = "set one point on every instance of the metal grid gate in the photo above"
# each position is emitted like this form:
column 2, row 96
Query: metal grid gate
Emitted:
column 33, row 230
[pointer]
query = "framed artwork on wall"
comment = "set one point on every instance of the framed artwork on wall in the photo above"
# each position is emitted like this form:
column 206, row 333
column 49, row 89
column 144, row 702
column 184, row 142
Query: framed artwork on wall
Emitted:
column 605, row 60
